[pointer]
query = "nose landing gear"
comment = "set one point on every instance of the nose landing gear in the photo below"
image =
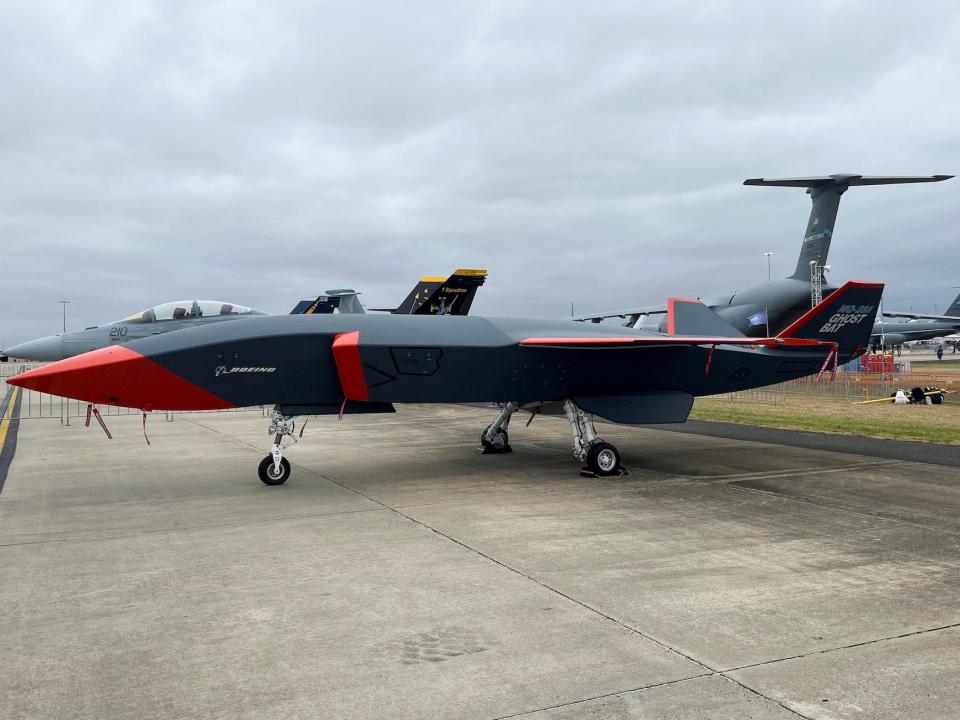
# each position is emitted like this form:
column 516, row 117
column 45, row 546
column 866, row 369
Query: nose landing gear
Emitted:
column 274, row 469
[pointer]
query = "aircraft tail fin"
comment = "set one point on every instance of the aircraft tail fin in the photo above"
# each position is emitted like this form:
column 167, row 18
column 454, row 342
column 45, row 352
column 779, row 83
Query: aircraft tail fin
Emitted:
column 455, row 295
column 954, row 309
column 825, row 192
column 845, row 317
column 421, row 291
column 442, row 295
column 692, row 317
column 344, row 301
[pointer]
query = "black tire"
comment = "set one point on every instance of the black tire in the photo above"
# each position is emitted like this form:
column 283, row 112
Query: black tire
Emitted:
column 267, row 475
column 603, row 459
column 499, row 444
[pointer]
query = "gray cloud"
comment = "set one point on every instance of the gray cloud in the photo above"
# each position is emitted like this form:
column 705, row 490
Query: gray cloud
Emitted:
column 260, row 153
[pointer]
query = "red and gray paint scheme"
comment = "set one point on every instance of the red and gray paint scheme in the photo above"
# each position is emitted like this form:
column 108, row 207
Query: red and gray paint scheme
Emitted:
column 364, row 363
column 769, row 307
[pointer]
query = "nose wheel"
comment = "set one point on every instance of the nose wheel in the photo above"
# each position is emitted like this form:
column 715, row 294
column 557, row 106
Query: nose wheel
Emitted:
column 268, row 473
column 274, row 469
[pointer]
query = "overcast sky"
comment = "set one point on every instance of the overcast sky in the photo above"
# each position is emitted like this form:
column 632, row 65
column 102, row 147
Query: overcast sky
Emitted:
column 262, row 152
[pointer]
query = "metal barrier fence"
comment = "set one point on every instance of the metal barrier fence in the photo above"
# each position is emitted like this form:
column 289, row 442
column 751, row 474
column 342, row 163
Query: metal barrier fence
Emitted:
column 853, row 387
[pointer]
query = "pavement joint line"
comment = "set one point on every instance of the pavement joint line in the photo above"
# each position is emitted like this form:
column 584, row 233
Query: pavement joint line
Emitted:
column 615, row 693
column 583, row 605
column 154, row 531
column 815, row 470
column 825, row 651
column 841, row 508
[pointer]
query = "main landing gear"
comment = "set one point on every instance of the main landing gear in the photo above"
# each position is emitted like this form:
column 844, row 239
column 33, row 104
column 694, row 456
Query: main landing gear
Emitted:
column 494, row 439
column 601, row 458
column 274, row 468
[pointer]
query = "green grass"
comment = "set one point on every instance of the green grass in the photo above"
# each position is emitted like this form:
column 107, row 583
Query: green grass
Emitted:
column 937, row 423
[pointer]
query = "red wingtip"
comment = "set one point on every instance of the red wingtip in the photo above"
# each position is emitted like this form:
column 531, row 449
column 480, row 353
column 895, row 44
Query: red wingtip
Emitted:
column 119, row 376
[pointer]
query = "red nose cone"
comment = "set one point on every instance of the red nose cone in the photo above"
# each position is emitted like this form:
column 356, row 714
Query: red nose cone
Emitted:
column 119, row 376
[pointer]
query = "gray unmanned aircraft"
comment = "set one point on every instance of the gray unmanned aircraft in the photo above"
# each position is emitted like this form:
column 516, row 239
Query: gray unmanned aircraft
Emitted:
column 769, row 307
column 451, row 295
column 364, row 363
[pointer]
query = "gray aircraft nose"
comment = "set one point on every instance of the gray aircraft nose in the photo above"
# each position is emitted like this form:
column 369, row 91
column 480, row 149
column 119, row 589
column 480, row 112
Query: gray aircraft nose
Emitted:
column 41, row 349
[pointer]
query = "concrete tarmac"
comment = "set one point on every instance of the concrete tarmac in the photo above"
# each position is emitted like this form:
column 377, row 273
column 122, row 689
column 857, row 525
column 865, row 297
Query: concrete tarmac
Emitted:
column 400, row 574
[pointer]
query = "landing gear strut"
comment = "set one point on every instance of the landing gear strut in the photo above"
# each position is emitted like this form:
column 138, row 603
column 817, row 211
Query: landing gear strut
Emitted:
column 274, row 468
column 601, row 458
column 495, row 439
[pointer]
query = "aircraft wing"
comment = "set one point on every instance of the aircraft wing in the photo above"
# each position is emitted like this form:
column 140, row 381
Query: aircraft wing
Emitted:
column 856, row 180
column 921, row 316
column 623, row 314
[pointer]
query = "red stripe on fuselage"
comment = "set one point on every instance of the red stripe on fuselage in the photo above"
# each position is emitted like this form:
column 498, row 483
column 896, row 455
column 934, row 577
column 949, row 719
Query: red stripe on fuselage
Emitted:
column 119, row 376
column 346, row 354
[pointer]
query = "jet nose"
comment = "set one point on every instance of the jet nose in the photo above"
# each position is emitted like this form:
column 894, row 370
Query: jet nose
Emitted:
column 119, row 376
column 42, row 349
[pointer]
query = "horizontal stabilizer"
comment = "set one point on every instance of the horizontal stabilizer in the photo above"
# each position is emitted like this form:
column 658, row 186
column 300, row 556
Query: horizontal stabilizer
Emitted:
column 825, row 192
column 692, row 317
column 844, row 179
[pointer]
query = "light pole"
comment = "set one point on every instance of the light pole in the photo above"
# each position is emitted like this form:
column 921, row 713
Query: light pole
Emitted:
column 64, row 303
column 768, row 254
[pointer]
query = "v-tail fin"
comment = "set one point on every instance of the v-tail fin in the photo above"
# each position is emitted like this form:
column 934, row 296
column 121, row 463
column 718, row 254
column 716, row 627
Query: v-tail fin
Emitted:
column 846, row 317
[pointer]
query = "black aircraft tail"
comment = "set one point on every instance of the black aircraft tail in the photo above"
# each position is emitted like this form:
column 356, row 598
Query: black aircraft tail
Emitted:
column 825, row 192
column 344, row 301
column 846, row 317
column 443, row 295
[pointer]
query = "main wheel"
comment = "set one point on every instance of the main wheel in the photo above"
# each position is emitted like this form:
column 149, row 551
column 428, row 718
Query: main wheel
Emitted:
column 603, row 458
column 498, row 444
column 269, row 476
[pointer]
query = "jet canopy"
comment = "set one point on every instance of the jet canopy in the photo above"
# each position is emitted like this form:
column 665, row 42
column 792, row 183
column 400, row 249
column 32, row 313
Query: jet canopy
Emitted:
column 189, row 310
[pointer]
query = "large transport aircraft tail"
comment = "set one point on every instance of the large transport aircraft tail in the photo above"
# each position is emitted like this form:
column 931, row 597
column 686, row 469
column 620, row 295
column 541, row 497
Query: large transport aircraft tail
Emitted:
column 846, row 318
column 443, row 295
column 825, row 192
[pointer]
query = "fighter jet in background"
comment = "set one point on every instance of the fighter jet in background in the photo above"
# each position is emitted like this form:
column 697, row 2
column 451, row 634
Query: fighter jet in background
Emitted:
column 336, row 363
column 430, row 296
column 442, row 295
column 769, row 307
